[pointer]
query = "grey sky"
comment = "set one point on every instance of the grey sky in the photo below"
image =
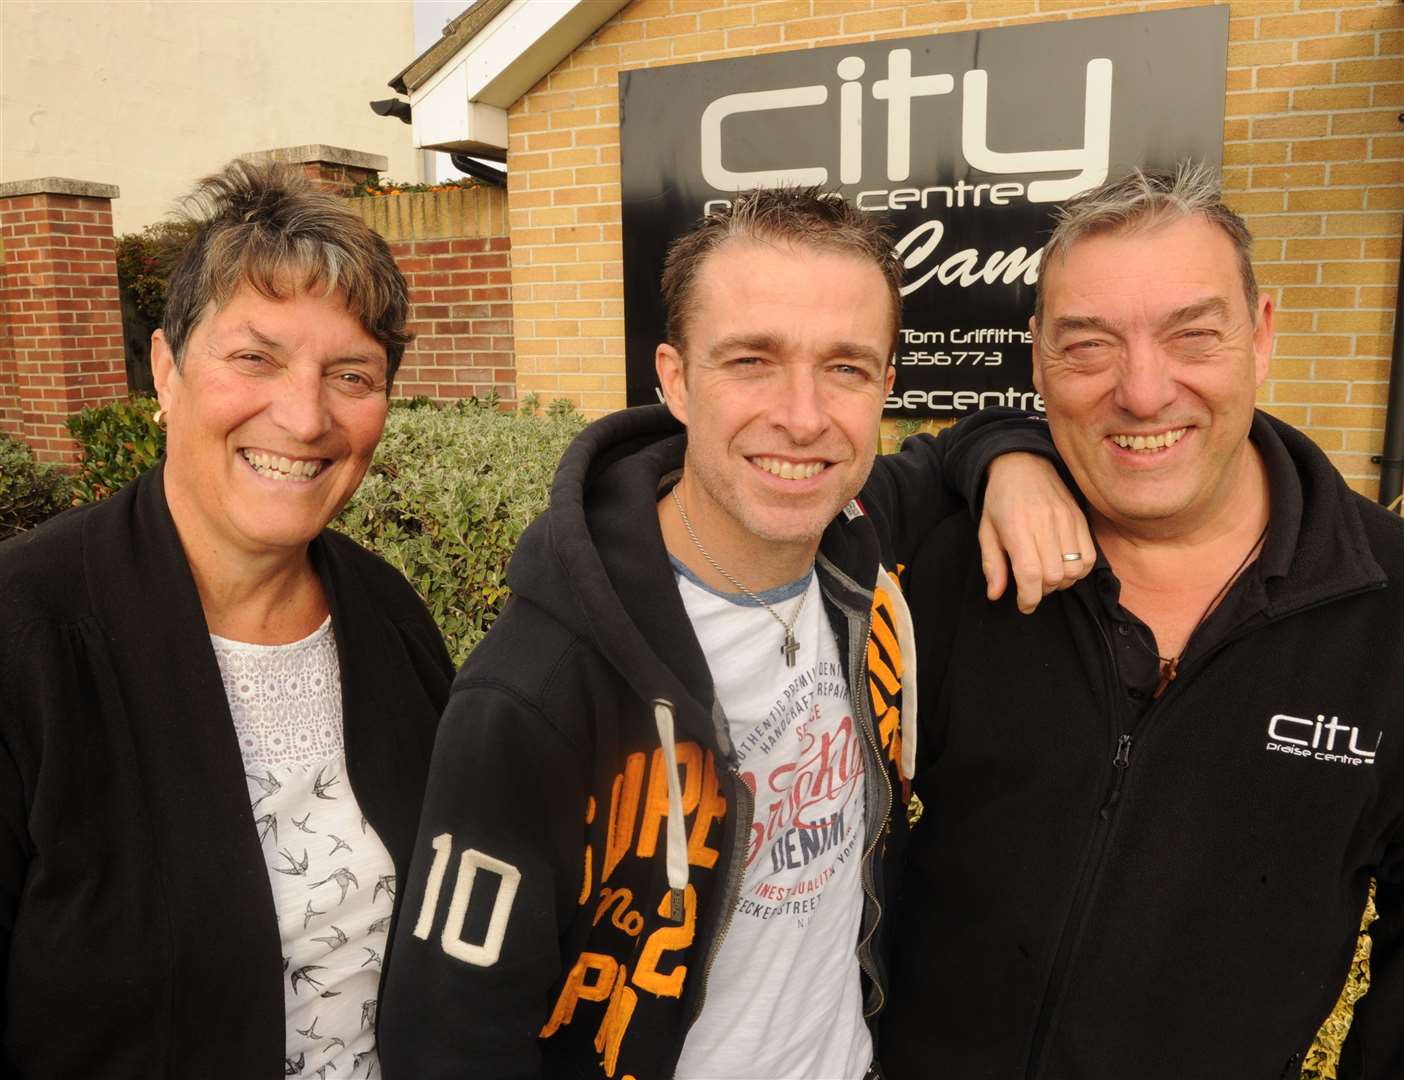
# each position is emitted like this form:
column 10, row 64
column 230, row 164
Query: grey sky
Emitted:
column 429, row 19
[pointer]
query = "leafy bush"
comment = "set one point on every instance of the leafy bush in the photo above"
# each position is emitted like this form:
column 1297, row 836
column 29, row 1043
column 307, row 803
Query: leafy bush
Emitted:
column 119, row 442
column 447, row 498
column 144, row 264
column 30, row 491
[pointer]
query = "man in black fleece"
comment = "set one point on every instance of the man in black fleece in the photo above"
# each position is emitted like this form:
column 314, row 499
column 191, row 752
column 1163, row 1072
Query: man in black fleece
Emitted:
column 1151, row 819
column 669, row 785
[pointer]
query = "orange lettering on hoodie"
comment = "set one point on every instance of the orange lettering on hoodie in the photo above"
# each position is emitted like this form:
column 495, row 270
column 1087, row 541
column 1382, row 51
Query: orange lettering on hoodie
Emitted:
column 710, row 807
column 623, row 811
column 578, row 988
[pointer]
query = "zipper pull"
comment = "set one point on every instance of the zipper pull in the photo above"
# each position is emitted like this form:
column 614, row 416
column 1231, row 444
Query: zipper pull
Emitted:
column 1121, row 761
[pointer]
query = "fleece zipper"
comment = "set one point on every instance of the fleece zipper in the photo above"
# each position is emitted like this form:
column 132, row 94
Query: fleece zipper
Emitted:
column 1091, row 863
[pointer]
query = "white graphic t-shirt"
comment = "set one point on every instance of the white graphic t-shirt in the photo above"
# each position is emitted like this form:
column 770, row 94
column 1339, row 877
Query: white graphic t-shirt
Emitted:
column 784, row 997
column 333, row 881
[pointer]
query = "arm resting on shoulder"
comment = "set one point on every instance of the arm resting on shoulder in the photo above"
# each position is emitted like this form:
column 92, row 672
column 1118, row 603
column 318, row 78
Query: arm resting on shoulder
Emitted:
column 1028, row 516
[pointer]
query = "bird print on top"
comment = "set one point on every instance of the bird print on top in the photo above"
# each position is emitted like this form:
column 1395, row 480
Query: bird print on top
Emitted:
column 343, row 877
column 320, row 787
column 332, row 879
column 334, row 940
column 267, row 784
column 305, row 974
column 370, row 1067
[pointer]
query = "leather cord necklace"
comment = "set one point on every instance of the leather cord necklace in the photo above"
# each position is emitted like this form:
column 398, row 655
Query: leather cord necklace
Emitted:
column 791, row 646
column 1170, row 665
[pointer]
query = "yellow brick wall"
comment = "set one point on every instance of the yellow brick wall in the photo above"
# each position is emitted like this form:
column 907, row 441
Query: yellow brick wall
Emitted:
column 1313, row 157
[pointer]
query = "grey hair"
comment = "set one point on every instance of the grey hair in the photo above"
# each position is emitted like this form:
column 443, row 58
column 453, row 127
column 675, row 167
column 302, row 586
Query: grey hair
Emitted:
column 265, row 226
column 1143, row 200
column 809, row 217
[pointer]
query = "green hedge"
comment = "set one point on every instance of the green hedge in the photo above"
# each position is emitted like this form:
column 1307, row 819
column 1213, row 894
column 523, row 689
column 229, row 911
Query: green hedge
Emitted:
column 117, row 443
column 30, row 492
column 446, row 499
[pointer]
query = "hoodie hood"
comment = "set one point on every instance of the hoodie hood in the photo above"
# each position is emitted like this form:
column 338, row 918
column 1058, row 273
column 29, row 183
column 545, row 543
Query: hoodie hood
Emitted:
column 595, row 560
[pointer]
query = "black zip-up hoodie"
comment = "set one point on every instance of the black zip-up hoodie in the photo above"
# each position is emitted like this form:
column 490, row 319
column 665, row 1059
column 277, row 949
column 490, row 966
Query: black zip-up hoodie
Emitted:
column 1101, row 892
column 543, row 932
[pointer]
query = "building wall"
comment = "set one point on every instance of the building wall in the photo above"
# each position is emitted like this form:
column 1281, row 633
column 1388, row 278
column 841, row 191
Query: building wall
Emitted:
column 453, row 249
column 150, row 96
column 1313, row 155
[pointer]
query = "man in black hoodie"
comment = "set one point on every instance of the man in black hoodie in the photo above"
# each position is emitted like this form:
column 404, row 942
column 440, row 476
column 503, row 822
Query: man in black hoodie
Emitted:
column 1152, row 815
column 670, row 782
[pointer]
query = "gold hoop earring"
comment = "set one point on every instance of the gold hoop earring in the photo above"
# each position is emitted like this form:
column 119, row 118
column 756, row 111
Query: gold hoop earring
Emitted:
column 159, row 418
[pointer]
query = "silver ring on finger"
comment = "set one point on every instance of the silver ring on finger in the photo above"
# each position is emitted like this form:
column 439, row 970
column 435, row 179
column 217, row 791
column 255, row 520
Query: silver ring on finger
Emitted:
column 1072, row 556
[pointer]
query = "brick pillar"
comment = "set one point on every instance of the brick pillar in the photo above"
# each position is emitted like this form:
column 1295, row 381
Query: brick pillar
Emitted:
column 331, row 168
column 60, row 317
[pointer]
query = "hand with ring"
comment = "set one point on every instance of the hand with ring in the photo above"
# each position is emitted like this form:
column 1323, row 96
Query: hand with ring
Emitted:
column 1033, row 526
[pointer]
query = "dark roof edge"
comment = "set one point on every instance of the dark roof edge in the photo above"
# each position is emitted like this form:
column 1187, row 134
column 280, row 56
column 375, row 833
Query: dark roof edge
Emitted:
column 456, row 34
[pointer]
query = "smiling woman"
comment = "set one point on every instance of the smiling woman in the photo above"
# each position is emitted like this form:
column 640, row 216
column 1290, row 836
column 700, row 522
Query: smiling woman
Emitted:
column 273, row 414
column 215, row 714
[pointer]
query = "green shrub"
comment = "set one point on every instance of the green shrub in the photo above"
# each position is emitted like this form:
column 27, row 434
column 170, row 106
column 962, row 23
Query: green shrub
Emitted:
column 144, row 264
column 446, row 500
column 119, row 442
column 30, row 491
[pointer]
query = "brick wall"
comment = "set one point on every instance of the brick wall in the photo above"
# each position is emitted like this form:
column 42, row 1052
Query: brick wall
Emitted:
column 60, row 319
column 333, row 169
column 1314, row 158
column 453, row 248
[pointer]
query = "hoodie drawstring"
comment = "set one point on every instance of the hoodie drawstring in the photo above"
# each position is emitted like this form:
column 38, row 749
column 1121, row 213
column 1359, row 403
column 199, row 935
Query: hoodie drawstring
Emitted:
column 906, row 641
column 677, row 833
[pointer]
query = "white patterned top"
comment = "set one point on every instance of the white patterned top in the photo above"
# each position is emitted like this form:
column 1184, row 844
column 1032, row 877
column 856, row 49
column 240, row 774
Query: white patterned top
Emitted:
column 333, row 881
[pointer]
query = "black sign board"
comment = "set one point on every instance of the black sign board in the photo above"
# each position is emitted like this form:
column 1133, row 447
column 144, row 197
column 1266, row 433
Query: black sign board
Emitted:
column 965, row 142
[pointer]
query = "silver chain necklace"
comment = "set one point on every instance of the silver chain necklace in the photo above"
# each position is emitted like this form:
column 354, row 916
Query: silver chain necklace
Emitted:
column 791, row 646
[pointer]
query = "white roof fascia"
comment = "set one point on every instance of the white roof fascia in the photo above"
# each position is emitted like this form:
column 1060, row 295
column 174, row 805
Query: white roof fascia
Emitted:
column 463, row 106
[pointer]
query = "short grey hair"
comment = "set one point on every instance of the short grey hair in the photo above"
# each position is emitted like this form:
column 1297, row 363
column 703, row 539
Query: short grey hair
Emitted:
column 266, row 227
column 1144, row 200
column 807, row 217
